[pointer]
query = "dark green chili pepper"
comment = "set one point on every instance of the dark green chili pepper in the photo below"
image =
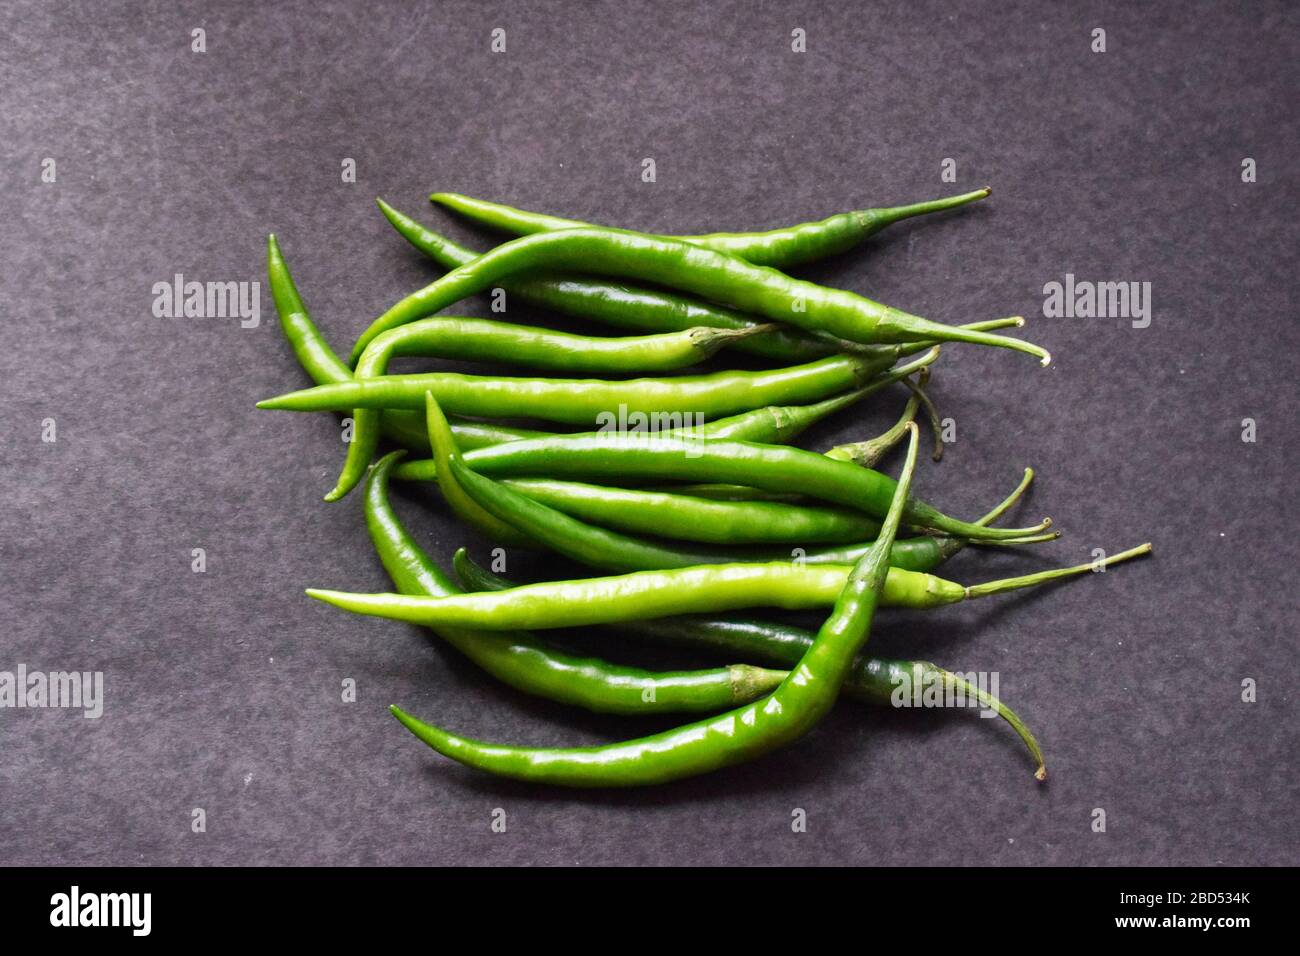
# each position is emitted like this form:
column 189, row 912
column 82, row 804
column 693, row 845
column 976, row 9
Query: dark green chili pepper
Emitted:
column 762, row 291
column 529, row 665
column 705, row 589
column 669, row 457
column 486, row 340
column 587, row 401
column 678, row 516
column 407, row 427
column 802, row 699
column 318, row 360
column 778, row 421
column 781, row 248
column 463, row 505
column 697, row 519
column 626, row 307
column 870, row 680
column 482, row 339
column 510, row 516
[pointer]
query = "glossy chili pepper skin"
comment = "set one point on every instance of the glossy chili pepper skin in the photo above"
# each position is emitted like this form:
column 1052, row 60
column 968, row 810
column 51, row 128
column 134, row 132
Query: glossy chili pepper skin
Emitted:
column 529, row 665
column 871, row 680
column 774, row 422
column 487, row 340
column 801, row 700
column 677, row 516
column 462, row 504
column 588, row 401
column 588, row 544
column 771, row 424
column 780, row 248
column 315, row 355
column 741, row 638
column 619, row 305
column 733, row 281
column 668, row 457
column 685, row 518
column 319, row 361
column 707, row 589
column 610, row 550
column 483, row 339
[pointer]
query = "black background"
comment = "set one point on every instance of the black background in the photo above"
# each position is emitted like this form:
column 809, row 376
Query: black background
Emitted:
column 223, row 688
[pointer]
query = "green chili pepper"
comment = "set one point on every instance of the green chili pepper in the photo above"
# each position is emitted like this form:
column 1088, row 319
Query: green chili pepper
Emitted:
column 646, row 310
column 462, row 505
column 529, row 665
column 705, row 589
column 773, row 423
column 868, row 453
column 486, row 340
column 482, row 339
column 778, row 424
column 686, row 518
column 727, row 279
column 799, row 703
column 587, row 401
column 781, row 248
column 870, row 680
column 511, row 516
column 670, row 457
column 318, row 360
column 784, row 420
column 676, row 516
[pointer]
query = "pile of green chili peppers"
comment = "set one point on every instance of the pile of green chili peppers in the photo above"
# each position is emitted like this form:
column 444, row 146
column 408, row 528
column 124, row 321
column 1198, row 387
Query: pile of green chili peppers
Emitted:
column 680, row 489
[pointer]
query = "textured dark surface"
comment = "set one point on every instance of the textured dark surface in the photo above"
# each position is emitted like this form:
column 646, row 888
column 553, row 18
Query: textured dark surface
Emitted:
column 223, row 688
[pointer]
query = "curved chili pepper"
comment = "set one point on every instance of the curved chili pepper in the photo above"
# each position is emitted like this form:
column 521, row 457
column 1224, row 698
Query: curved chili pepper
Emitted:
column 624, row 306
column 529, row 665
column 513, row 517
column 319, row 361
column 781, row 248
column 670, row 457
column 871, row 680
column 798, row 704
column 704, row 589
column 583, row 401
column 762, row 291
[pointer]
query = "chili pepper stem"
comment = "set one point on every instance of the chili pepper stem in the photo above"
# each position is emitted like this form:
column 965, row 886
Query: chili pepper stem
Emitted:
column 988, row 325
column 950, row 545
column 867, row 453
column 1030, row 580
column 1010, row 500
column 936, row 426
column 1027, row 539
column 890, row 215
column 711, row 340
column 987, row 700
column 913, row 327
